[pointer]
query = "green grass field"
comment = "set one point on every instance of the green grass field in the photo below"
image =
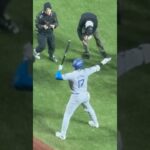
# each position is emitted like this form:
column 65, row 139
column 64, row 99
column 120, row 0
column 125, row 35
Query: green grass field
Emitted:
column 51, row 96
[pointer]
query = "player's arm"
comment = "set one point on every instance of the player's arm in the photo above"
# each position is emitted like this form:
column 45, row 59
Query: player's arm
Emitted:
column 95, row 24
column 93, row 69
column 58, row 75
column 38, row 22
column 96, row 68
column 79, row 29
column 55, row 20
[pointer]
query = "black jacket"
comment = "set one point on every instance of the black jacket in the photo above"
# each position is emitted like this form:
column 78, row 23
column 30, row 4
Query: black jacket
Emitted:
column 81, row 26
column 44, row 19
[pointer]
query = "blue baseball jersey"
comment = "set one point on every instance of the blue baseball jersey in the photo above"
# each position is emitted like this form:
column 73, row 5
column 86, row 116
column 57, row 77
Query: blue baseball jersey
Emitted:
column 78, row 79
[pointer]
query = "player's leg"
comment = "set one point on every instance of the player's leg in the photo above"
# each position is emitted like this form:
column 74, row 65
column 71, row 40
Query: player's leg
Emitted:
column 93, row 122
column 101, row 48
column 41, row 45
column 99, row 44
column 89, row 109
column 70, row 109
column 51, row 47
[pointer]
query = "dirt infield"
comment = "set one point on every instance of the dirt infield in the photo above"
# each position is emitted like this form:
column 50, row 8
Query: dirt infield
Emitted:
column 39, row 145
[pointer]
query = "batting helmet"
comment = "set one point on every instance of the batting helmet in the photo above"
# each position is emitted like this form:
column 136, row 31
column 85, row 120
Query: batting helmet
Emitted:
column 77, row 63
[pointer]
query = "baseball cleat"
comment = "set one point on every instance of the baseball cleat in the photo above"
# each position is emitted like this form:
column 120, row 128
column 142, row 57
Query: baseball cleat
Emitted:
column 60, row 136
column 106, row 60
column 36, row 55
column 92, row 124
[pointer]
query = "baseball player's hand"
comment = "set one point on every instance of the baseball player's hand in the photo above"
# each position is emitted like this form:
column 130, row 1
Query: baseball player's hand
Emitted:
column 84, row 42
column 85, row 38
column 60, row 67
column 45, row 27
column 98, row 67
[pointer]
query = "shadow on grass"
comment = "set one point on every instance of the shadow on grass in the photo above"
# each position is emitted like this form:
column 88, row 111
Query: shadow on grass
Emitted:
column 79, row 121
column 40, row 120
column 102, row 131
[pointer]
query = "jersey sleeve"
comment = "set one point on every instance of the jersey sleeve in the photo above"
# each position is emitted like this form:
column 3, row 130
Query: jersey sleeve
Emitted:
column 55, row 19
column 95, row 23
column 79, row 28
column 68, row 76
column 38, row 21
column 92, row 70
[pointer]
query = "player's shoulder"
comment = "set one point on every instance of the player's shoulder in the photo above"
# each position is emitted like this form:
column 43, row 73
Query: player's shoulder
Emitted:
column 92, row 68
column 80, row 72
column 69, row 76
column 75, row 73
column 69, row 73
column 85, row 70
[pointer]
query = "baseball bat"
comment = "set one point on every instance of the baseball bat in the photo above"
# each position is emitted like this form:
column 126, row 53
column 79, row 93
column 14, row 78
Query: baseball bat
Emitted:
column 66, row 50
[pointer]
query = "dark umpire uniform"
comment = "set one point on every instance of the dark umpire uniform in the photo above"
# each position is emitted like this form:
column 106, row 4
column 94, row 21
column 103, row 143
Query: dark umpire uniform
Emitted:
column 46, row 35
column 89, row 30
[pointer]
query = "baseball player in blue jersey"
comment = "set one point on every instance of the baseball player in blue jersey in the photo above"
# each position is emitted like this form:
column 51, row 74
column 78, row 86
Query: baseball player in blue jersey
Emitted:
column 79, row 95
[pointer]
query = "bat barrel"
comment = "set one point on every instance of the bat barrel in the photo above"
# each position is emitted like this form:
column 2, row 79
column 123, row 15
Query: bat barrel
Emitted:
column 66, row 50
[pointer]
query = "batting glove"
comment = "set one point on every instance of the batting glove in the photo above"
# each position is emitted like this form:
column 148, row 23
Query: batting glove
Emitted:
column 85, row 42
column 60, row 67
column 98, row 67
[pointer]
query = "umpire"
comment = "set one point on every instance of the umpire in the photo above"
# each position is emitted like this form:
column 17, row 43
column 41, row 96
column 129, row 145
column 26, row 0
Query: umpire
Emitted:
column 87, row 28
column 46, row 22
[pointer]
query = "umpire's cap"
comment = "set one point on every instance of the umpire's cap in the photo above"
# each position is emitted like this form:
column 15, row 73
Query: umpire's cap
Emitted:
column 77, row 63
column 47, row 5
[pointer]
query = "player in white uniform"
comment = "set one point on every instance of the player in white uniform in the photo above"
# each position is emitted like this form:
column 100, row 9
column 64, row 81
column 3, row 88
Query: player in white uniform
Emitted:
column 78, row 83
